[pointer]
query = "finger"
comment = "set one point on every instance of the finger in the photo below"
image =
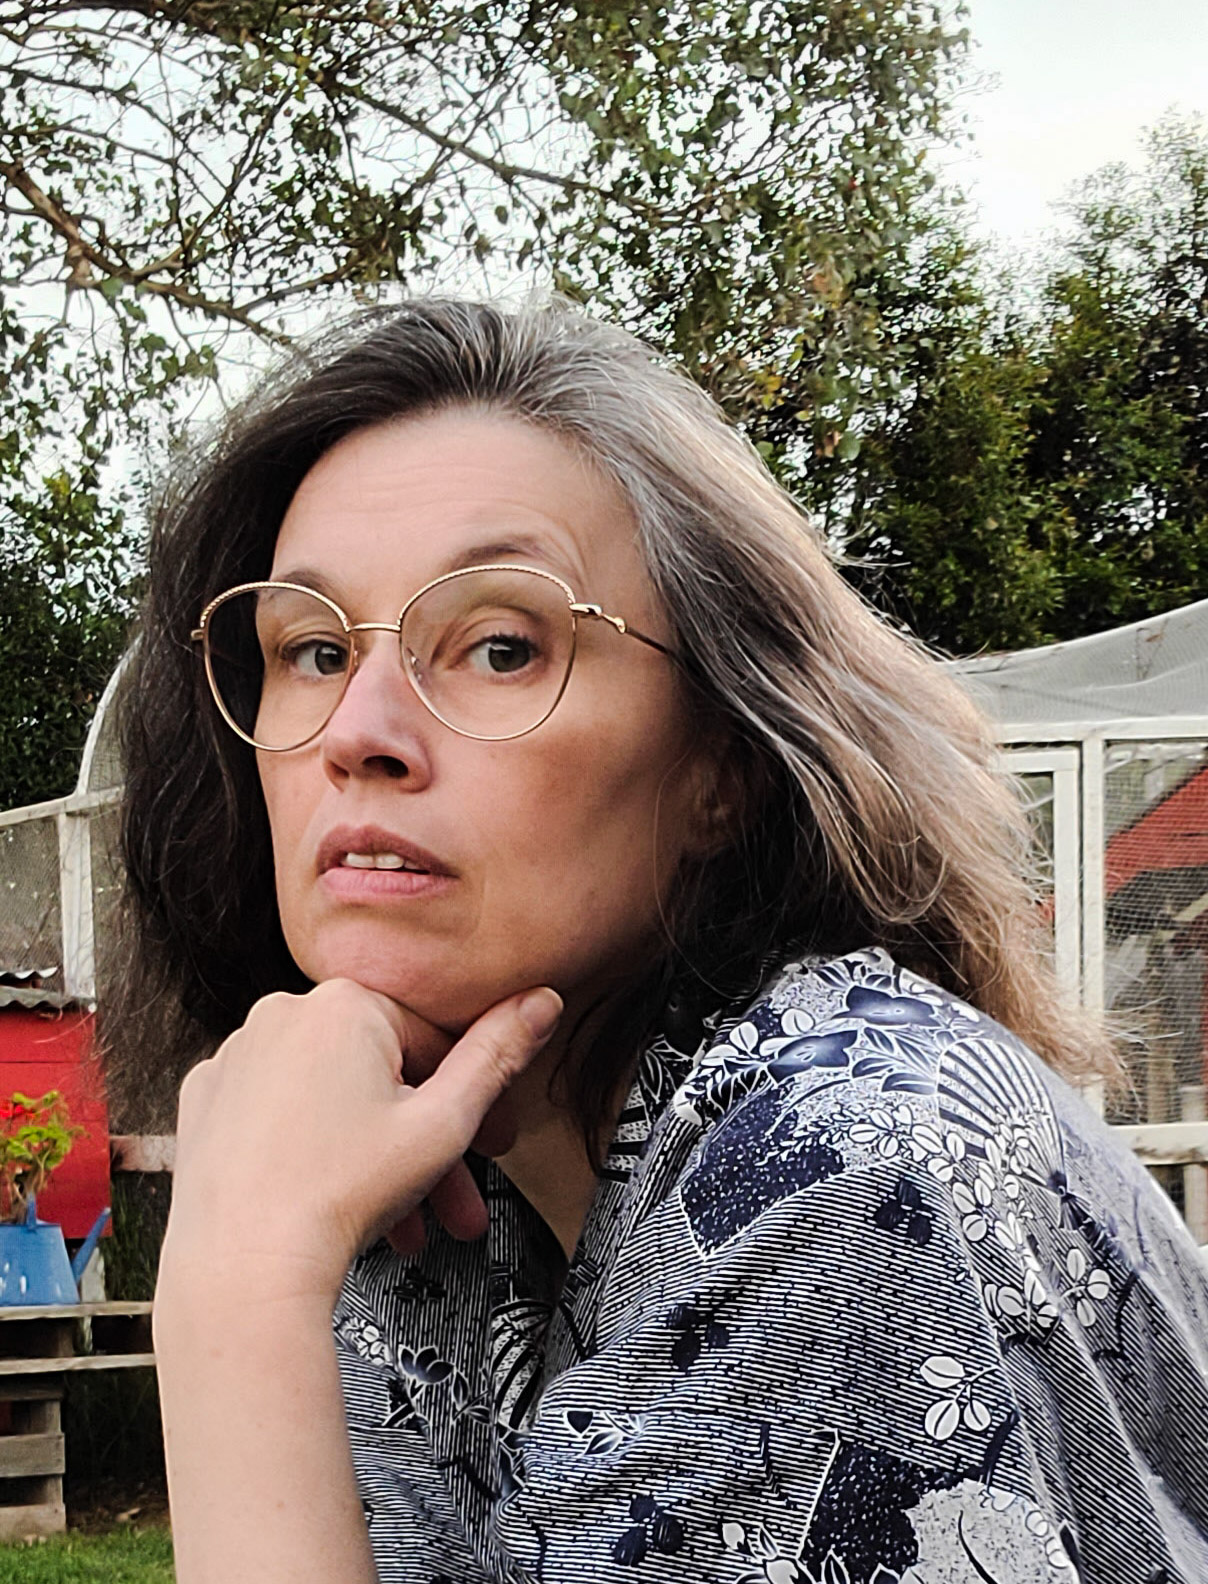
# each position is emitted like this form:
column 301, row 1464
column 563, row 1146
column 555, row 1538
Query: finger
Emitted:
column 407, row 1236
column 422, row 1046
column 498, row 1131
column 457, row 1204
column 443, row 1115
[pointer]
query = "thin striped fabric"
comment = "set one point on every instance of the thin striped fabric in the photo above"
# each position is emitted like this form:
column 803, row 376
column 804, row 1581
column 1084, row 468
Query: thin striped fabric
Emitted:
column 866, row 1296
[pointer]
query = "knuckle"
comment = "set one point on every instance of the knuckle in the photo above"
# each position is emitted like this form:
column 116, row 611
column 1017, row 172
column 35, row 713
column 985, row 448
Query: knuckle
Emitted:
column 340, row 997
column 338, row 989
column 194, row 1086
column 270, row 1007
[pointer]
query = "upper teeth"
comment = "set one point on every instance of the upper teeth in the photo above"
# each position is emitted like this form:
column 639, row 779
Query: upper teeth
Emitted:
column 383, row 860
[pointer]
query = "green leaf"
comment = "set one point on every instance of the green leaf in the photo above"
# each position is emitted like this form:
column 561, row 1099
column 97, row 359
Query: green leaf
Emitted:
column 848, row 448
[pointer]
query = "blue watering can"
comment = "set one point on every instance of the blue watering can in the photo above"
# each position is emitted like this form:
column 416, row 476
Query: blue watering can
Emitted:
column 34, row 1268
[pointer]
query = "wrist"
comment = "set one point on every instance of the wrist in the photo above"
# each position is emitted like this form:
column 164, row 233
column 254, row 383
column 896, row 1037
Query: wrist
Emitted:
column 244, row 1277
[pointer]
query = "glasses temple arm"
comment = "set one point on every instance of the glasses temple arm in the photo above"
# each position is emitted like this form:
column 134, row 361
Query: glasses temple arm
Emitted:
column 596, row 613
column 632, row 632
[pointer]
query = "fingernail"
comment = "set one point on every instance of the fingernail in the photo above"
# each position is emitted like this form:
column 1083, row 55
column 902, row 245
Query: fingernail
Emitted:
column 541, row 1010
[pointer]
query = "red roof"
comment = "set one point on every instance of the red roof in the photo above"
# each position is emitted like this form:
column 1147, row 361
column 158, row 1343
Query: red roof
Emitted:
column 1173, row 835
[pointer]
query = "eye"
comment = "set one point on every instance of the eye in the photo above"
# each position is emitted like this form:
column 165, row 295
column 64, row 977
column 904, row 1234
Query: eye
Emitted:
column 315, row 658
column 502, row 654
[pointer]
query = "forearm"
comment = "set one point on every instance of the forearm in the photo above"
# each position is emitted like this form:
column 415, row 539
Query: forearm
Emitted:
column 259, row 1468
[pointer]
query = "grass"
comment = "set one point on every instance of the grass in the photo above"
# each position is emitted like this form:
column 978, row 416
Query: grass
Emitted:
column 111, row 1419
column 124, row 1556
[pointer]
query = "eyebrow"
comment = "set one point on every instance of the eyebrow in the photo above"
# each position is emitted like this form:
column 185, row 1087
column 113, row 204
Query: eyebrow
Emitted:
column 479, row 554
column 532, row 549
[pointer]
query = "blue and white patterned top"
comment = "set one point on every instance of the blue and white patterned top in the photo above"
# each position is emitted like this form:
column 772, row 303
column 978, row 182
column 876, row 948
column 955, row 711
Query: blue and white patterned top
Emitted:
column 866, row 1296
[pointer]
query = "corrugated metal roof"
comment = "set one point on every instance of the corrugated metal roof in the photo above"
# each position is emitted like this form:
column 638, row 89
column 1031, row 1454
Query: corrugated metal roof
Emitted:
column 26, row 978
column 35, row 988
column 50, row 1000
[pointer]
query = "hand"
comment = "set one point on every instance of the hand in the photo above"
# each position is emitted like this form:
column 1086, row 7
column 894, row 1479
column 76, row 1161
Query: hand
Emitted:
column 299, row 1143
column 455, row 1201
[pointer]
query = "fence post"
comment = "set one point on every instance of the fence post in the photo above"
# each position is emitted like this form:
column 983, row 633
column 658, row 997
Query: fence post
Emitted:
column 1094, row 912
column 1192, row 1104
column 75, row 891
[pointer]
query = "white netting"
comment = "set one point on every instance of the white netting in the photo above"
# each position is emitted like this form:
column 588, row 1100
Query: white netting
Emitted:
column 105, row 768
column 101, row 770
column 1153, row 862
column 1151, row 670
column 31, row 919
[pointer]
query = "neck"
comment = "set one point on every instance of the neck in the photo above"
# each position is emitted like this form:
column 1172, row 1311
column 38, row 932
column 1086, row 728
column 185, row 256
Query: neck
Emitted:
column 549, row 1163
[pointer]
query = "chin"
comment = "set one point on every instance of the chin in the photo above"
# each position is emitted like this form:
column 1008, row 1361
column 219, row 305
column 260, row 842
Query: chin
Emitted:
column 426, row 983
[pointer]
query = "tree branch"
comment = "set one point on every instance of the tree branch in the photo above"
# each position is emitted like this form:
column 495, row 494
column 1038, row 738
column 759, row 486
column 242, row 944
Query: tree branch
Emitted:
column 85, row 261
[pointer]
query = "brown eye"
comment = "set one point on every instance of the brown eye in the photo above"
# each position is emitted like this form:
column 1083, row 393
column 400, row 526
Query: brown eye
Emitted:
column 318, row 657
column 502, row 654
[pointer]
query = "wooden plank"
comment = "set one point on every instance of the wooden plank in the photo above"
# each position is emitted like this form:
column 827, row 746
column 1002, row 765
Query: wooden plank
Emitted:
column 71, row 1311
column 37, row 1418
column 22, row 1455
column 14, row 1368
column 1167, row 1143
column 31, row 1389
column 29, row 1523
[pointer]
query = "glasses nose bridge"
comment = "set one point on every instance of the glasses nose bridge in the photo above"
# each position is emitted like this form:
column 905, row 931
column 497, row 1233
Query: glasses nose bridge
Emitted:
column 394, row 626
column 353, row 628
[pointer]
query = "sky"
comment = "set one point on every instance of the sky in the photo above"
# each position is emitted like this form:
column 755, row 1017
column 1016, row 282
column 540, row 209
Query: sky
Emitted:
column 1061, row 88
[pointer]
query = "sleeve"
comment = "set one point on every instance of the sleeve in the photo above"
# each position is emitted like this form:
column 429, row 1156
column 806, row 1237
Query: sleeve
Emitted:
column 841, row 1349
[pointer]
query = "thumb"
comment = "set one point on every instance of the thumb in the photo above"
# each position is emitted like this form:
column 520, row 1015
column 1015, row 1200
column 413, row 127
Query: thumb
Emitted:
column 490, row 1054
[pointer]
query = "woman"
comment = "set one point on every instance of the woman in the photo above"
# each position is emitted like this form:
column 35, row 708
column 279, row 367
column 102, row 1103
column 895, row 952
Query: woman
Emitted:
column 493, row 700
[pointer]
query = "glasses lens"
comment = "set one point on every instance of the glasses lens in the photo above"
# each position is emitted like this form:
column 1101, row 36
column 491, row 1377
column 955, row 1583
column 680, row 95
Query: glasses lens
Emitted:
column 490, row 651
column 278, row 661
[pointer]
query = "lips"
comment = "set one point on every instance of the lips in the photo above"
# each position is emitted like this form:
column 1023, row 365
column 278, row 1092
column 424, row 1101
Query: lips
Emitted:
column 372, row 840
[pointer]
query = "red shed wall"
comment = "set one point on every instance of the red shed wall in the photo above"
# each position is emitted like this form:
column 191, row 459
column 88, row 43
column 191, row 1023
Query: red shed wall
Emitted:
column 48, row 1050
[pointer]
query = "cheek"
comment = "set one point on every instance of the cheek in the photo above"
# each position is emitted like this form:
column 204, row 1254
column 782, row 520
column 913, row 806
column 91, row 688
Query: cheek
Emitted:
column 290, row 799
column 581, row 814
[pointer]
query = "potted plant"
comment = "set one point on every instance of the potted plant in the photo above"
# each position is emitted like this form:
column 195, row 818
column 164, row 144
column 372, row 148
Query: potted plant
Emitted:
column 36, row 1137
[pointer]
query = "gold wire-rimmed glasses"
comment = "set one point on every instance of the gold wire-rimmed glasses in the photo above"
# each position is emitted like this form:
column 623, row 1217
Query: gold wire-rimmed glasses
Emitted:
column 488, row 650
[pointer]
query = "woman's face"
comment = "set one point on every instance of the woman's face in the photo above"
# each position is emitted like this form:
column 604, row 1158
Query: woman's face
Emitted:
column 554, row 872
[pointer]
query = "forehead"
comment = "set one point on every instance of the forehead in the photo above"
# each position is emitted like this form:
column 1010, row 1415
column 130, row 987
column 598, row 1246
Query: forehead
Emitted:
column 391, row 507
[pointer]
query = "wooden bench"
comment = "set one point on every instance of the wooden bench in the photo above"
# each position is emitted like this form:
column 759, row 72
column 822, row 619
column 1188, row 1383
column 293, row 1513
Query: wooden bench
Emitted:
column 40, row 1345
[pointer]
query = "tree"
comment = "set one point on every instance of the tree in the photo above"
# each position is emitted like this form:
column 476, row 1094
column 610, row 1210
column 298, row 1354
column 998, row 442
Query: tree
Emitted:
column 1121, row 429
column 185, row 185
column 1043, row 470
column 67, row 570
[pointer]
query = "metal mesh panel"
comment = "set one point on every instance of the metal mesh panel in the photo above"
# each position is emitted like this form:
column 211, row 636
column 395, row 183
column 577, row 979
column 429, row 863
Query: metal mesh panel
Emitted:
column 31, row 922
column 1036, row 790
column 105, row 872
column 105, row 771
column 1156, row 942
column 106, row 891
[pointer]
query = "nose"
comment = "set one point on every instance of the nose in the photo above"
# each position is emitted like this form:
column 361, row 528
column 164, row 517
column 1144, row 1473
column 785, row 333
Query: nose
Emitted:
column 379, row 729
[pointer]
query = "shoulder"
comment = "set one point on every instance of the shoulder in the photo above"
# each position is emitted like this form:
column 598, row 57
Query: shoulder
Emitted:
column 857, row 1030
column 852, row 1091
